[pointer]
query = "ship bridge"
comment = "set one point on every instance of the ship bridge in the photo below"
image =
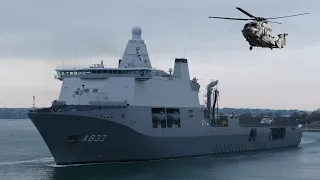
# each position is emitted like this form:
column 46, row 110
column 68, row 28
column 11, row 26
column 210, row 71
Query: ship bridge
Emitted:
column 135, row 62
column 104, row 73
column 98, row 71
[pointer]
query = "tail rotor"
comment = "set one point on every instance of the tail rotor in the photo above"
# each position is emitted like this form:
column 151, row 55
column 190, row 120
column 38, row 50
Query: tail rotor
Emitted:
column 285, row 39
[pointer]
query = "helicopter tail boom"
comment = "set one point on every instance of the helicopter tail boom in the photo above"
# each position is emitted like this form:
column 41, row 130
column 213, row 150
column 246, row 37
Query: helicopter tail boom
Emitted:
column 285, row 39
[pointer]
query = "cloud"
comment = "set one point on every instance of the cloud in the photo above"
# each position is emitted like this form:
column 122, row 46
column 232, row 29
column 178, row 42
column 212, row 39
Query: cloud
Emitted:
column 37, row 31
column 63, row 29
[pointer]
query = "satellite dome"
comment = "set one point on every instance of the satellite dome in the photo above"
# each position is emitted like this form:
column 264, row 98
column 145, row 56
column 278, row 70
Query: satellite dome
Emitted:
column 136, row 30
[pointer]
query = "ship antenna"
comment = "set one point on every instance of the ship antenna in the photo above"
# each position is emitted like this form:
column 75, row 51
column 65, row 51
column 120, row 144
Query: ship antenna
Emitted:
column 185, row 49
column 218, row 98
column 121, row 49
column 90, row 55
column 157, row 57
column 34, row 101
column 75, row 57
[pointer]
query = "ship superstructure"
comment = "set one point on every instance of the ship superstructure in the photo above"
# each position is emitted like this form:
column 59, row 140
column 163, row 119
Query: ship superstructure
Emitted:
column 135, row 112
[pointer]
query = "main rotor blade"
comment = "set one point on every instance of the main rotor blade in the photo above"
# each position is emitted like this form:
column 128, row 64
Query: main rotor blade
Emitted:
column 230, row 18
column 246, row 13
column 288, row 16
column 273, row 22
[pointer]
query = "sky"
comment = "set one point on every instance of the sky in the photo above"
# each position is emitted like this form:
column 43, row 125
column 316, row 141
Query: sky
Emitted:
column 36, row 36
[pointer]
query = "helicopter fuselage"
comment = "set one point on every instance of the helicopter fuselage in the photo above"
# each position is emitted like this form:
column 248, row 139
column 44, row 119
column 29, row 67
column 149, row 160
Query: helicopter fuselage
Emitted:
column 258, row 31
column 259, row 34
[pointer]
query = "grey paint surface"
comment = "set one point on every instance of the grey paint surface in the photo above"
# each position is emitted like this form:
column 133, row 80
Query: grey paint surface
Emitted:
column 131, row 137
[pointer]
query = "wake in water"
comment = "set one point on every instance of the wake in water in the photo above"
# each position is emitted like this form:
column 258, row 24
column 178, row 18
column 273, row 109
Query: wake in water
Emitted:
column 306, row 140
column 200, row 158
column 32, row 161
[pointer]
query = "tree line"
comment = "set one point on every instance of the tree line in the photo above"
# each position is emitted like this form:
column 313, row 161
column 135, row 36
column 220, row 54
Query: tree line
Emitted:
column 301, row 117
column 305, row 117
column 13, row 113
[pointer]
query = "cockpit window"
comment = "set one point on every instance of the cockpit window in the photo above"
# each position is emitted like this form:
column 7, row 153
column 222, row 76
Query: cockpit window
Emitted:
column 253, row 24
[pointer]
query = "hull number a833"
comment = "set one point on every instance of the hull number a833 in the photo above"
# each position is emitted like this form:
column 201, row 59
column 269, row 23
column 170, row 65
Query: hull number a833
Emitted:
column 94, row 138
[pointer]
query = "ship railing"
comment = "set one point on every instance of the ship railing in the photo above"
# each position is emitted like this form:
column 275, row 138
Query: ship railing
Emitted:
column 60, row 106
column 83, row 66
column 40, row 110
column 104, row 73
column 75, row 67
column 256, row 121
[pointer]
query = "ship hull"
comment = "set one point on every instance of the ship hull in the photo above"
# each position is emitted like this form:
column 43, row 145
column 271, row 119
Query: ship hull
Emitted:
column 98, row 140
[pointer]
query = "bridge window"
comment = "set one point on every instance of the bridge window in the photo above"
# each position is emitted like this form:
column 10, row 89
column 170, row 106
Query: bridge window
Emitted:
column 59, row 74
column 132, row 72
column 254, row 24
column 95, row 90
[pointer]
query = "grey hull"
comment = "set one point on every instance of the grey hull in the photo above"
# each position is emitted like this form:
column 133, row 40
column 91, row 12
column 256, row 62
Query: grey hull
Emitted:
column 123, row 143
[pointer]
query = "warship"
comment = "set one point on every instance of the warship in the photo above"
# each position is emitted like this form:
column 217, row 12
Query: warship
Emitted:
column 136, row 113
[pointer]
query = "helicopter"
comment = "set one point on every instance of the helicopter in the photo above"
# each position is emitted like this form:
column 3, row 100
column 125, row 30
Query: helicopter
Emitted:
column 258, row 33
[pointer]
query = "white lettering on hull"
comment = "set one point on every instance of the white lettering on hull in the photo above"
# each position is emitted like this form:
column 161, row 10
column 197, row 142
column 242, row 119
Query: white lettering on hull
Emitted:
column 94, row 138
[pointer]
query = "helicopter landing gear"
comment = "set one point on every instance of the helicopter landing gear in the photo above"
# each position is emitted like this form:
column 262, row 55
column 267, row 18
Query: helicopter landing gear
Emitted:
column 250, row 48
